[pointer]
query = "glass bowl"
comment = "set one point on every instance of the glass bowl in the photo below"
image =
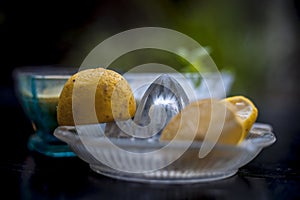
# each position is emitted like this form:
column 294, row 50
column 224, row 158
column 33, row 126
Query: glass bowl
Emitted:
column 196, row 85
column 147, row 161
column 38, row 89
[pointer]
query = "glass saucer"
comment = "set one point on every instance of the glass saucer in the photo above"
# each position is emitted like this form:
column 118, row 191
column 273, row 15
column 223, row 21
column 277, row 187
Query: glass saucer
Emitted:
column 154, row 161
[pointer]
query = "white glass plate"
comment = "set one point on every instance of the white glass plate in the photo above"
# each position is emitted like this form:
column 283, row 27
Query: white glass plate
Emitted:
column 142, row 160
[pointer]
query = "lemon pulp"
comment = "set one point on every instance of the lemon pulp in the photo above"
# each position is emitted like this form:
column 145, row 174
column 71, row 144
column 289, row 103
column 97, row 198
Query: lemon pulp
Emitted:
column 245, row 110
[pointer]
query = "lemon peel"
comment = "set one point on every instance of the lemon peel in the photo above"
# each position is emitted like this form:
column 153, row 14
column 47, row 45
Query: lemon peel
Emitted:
column 209, row 118
column 114, row 99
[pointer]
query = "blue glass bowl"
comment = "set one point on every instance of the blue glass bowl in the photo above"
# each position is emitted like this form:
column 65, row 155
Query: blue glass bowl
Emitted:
column 38, row 90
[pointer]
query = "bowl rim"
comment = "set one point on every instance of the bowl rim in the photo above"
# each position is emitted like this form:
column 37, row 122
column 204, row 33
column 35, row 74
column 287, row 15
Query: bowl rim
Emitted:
column 44, row 71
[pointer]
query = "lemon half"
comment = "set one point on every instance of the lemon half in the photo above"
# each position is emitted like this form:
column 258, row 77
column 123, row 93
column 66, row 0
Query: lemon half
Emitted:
column 114, row 99
column 207, row 118
column 226, row 121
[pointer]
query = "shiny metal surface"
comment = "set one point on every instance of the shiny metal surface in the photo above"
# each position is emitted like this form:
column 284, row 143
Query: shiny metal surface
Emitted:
column 162, row 100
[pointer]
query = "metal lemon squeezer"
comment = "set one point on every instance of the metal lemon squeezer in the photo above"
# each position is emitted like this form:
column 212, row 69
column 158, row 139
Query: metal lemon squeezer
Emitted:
column 163, row 99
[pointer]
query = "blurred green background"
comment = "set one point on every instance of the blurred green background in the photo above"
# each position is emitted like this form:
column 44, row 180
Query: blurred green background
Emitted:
column 256, row 40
